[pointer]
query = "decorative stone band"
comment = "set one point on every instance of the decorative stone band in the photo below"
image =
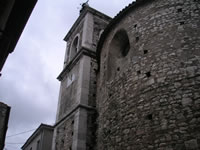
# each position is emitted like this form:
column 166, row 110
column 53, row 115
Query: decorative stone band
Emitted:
column 83, row 51
column 89, row 108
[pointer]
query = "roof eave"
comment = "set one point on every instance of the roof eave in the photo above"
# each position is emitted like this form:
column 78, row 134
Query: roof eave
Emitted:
column 40, row 128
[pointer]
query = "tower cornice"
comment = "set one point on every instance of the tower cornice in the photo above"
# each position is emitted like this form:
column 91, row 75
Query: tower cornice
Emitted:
column 86, row 9
column 72, row 63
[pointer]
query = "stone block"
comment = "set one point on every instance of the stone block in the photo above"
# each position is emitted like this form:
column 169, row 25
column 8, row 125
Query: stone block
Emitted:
column 191, row 144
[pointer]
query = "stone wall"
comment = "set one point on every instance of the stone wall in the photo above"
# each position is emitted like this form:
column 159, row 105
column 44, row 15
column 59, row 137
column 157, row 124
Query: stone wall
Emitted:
column 93, row 83
column 69, row 91
column 64, row 134
column 77, row 97
column 99, row 25
column 153, row 100
column 91, row 130
column 4, row 116
column 78, row 31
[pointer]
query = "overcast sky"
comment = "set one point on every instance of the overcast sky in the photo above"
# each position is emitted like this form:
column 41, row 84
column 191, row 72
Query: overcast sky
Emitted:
column 28, row 83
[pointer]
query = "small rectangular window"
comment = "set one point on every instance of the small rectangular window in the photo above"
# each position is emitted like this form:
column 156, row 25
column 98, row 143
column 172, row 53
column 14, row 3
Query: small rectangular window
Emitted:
column 148, row 74
column 182, row 23
column 135, row 26
column 145, row 51
column 138, row 72
column 137, row 39
column 38, row 144
column 179, row 10
column 70, row 148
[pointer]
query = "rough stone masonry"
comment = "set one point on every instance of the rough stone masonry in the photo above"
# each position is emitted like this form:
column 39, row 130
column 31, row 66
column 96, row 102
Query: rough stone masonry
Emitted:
column 148, row 94
column 137, row 87
column 4, row 117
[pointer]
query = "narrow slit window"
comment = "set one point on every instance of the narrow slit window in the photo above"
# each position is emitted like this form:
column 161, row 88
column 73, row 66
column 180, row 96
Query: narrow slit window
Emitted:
column 137, row 39
column 135, row 26
column 179, row 10
column 138, row 72
column 182, row 23
column 145, row 51
column 149, row 117
column 148, row 74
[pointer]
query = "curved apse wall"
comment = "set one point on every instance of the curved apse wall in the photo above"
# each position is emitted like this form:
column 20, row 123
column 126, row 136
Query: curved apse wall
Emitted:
column 153, row 101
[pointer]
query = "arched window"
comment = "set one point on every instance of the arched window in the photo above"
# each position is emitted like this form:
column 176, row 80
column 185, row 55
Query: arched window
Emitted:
column 118, row 50
column 66, row 58
column 74, row 47
column 100, row 33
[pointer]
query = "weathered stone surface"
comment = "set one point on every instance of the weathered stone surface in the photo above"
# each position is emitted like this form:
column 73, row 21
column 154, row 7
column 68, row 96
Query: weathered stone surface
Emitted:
column 148, row 84
column 150, row 98
column 191, row 144
column 64, row 134
column 76, row 115
column 4, row 116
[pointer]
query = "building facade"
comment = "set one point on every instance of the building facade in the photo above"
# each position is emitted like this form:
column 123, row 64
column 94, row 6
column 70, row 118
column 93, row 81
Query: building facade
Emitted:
column 41, row 139
column 148, row 93
column 76, row 114
column 4, row 117
column 146, row 68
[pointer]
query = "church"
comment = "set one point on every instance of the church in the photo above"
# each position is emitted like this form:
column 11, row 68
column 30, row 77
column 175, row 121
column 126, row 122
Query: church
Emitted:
column 131, row 82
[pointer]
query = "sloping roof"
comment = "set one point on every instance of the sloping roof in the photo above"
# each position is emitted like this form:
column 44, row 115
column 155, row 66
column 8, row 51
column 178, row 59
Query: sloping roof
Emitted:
column 115, row 21
column 37, row 132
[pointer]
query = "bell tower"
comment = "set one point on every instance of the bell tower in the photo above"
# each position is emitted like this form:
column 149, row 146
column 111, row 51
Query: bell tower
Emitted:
column 75, row 120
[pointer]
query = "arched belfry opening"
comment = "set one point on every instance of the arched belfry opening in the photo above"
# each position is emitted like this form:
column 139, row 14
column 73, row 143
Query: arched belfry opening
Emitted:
column 118, row 50
column 74, row 47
